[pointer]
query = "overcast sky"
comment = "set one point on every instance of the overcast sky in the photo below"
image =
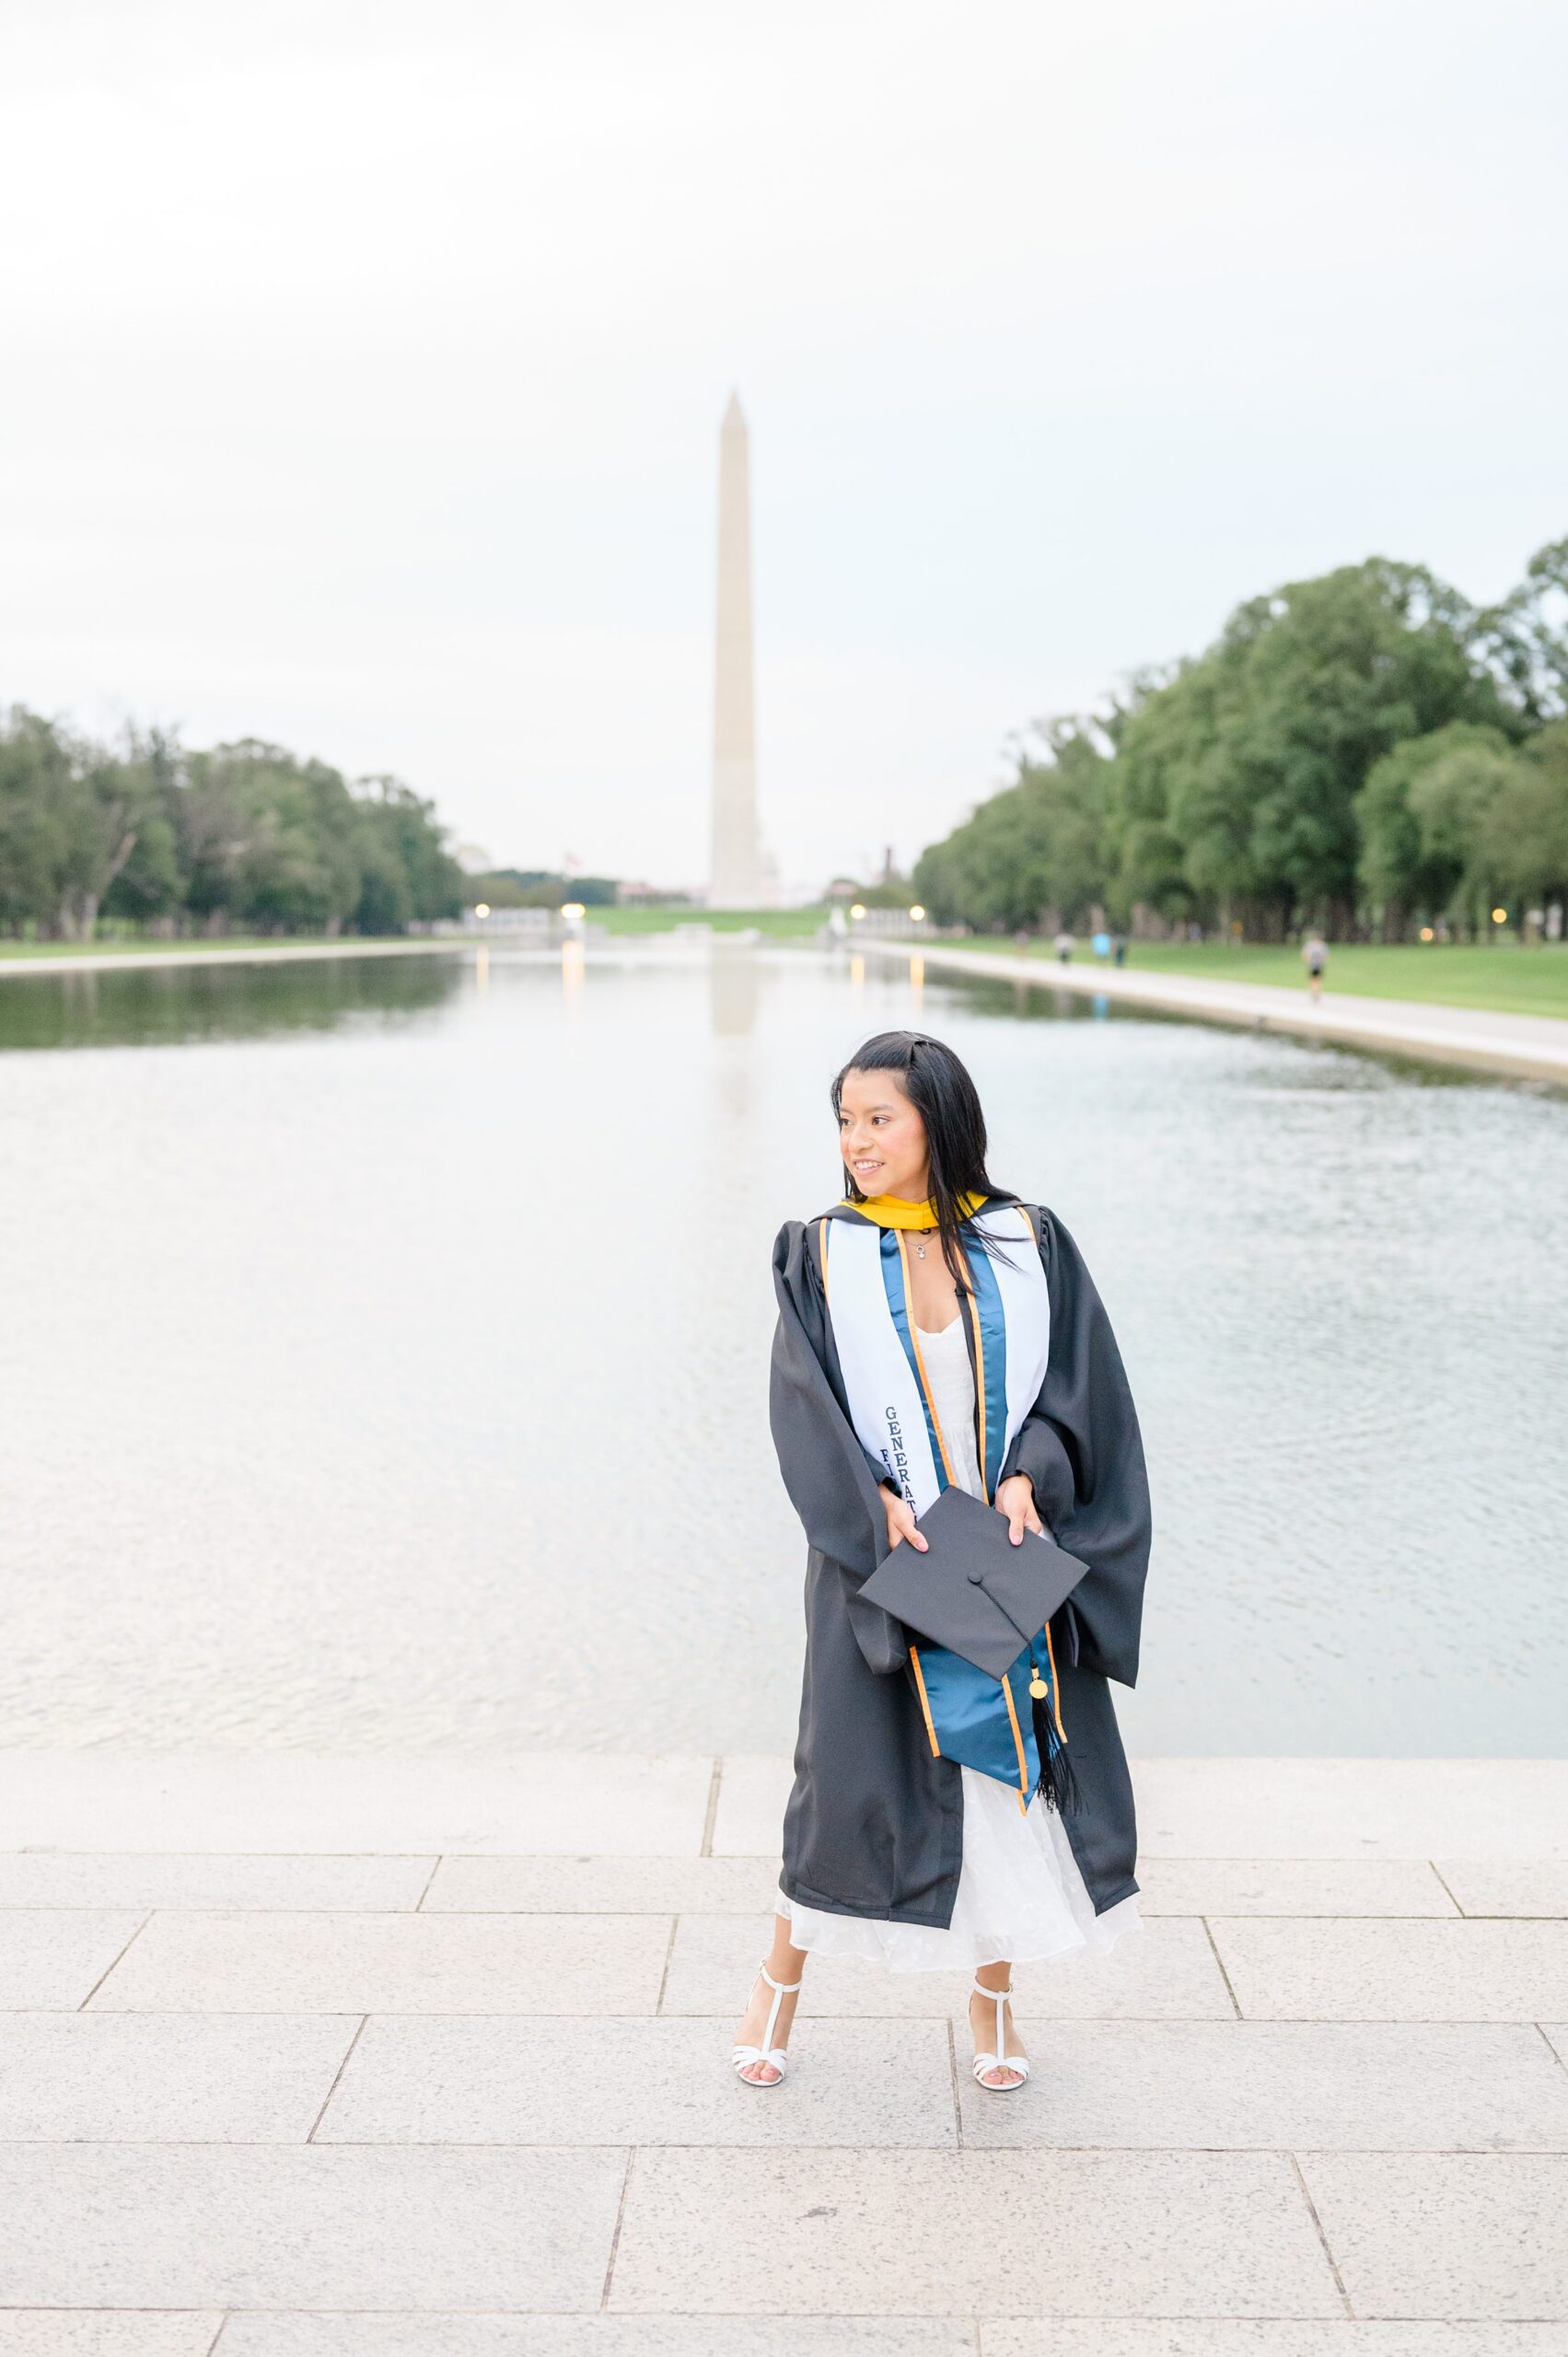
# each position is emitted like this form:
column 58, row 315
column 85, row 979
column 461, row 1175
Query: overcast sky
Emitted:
column 364, row 364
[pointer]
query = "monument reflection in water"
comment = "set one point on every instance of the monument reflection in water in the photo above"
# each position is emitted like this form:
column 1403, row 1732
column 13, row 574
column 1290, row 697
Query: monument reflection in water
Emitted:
column 386, row 1355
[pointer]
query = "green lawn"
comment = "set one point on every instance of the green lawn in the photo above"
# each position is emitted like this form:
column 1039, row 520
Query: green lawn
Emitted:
column 778, row 924
column 1504, row 975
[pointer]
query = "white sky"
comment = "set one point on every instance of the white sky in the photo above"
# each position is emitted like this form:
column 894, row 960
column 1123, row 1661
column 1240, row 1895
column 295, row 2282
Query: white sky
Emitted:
column 365, row 365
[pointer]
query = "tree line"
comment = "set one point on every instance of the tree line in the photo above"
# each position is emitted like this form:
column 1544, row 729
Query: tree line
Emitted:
column 1365, row 752
column 242, row 838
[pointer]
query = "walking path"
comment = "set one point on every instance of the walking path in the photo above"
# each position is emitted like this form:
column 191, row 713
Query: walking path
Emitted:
column 1519, row 1047
column 400, row 2057
column 269, row 953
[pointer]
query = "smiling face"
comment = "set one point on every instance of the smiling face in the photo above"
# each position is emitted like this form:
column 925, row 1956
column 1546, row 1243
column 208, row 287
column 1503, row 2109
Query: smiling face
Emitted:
column 882, row 1137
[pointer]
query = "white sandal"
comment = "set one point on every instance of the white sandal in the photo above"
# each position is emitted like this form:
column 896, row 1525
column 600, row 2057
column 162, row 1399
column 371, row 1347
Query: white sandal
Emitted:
column 1001, row 2060
column 777, row 2057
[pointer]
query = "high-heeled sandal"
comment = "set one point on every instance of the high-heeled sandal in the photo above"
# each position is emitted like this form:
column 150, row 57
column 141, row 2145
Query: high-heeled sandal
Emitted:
column 1001, row 2060
column 777, row 2057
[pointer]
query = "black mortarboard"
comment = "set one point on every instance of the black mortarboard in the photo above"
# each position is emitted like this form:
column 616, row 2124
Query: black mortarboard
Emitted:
column 972, row 1590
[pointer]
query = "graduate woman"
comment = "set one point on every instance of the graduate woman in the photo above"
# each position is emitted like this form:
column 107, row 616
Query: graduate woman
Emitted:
column 936, row 1329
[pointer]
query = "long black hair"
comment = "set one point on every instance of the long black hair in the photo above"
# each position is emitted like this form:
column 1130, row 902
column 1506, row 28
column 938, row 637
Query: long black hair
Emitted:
column 938, row 1086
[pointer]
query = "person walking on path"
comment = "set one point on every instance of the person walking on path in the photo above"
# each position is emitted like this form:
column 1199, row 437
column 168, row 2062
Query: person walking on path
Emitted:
column 1315, row 958
column 935, row 1330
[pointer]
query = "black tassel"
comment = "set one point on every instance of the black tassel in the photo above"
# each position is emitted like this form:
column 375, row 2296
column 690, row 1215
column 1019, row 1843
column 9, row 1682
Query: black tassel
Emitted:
column 1058, row 1786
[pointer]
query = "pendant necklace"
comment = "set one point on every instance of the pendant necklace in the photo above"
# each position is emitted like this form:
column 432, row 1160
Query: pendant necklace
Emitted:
column 919, row 1249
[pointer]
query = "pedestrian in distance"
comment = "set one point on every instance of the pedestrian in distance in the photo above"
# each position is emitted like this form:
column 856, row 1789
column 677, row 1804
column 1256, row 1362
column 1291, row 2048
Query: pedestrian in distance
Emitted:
column 1315, row 958
column 1064, row 949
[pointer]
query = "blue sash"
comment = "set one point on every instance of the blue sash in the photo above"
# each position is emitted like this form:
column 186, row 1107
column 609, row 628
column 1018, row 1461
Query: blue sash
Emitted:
column 988, row 1724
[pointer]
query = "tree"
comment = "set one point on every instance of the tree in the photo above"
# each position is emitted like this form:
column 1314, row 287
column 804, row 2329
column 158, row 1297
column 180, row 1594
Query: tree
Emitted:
column 1525, row 640
column 68, row 823
column 1451, row 799
column 406, row 873
column 1038, row 847
column 151, row 883
column 1313, row 684
column 247, row 834
column 1420, row 818
column 1524, row 830
column 1230, row 788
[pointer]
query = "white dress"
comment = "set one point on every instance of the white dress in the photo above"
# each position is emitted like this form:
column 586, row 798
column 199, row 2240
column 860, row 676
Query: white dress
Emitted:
column 1020, row 1894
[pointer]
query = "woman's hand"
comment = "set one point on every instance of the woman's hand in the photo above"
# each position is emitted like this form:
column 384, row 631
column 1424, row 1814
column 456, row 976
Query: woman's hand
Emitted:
column 901, row 1522
column 1016, row 1498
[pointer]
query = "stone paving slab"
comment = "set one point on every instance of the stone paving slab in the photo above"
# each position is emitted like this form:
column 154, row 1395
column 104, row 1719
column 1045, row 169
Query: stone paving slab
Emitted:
column 602, row 2336
column 754, row 1788
column 1538, row 1887
column 470, row 2080
column 640, row 1804
column 1291, row 1887
column 605, row 1886
column 105, row 2332
column 181, row 1989
column 1446, row 2234
column 1494, row 1809
column 14, row 968
column 654, row 1804
column 1165, row 1970
column 128, row 1878
column 1459, row 1971
column 220, row 2078
column 55, row 2333
column 1367, row 2086
column 48, row 1959
column 1225, row 2337
column 312, row 2226
column 741, row 1885
column 913, row 2233
column 358, row 1963
column 1352, row 1808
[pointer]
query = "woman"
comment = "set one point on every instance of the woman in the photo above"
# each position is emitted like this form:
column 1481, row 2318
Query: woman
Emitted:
column 935, row 1330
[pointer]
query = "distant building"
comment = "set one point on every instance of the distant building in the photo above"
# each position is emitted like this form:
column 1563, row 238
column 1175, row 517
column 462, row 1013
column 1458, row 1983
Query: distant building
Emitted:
column 633, row 893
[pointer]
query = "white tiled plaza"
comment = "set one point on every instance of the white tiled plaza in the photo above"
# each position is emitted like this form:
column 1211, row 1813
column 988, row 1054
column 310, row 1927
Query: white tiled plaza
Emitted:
column 400, row 2057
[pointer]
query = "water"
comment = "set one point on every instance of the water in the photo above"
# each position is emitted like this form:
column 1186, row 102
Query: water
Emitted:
column 385, row 1348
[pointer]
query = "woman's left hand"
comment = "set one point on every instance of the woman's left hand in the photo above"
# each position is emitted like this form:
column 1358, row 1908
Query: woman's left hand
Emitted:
column 1016, row 1498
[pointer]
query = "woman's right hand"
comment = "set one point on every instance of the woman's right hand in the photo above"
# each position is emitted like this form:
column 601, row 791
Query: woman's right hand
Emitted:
column 901, row 1522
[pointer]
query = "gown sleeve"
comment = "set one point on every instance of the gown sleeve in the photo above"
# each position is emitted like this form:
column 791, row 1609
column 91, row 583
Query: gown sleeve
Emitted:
column 832, row 1482
column 1081, row 1448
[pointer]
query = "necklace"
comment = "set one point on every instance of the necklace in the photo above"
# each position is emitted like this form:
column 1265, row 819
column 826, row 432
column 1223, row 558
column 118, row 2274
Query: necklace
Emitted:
column 919, row 1250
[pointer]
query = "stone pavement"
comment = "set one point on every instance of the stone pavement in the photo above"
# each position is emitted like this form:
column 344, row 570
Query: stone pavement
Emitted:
column 255, row 953
column 1511, row 1047
column 395, row 2057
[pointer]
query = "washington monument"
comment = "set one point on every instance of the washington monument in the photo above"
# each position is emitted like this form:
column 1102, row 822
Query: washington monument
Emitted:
column 739, row 876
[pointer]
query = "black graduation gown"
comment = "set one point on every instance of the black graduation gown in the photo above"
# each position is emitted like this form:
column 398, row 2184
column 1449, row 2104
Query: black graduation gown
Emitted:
column 873, row 1824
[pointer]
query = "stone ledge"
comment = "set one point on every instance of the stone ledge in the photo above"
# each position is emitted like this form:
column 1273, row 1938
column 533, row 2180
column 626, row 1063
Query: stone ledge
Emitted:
column 580, row 1804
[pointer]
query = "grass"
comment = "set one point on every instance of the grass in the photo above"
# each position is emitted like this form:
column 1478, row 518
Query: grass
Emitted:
column 1504, row 976
column 778, row 924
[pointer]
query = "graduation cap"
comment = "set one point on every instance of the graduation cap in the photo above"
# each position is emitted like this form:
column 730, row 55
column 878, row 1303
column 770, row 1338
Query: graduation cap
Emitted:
column 972, row 1590
column 974, row 1595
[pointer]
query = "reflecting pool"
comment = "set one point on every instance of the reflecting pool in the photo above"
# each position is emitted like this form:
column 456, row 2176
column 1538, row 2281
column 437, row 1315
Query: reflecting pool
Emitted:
column 385, row 1354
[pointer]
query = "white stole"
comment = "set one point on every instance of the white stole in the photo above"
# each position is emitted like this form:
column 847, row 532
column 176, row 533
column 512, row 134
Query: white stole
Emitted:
column 884, row 1401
